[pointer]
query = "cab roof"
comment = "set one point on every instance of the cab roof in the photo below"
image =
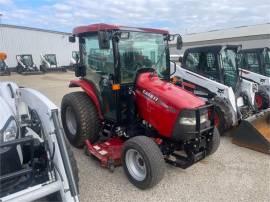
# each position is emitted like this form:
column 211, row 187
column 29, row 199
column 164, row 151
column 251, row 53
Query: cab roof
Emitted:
column 254, row 50
column 103, row 27
column 214, row 48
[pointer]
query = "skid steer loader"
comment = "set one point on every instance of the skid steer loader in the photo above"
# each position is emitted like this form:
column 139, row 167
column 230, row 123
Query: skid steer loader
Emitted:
column 254, row 65
column 26, row 65
column 49, row 64
column 211, row 72
column 36, row 163
column 128, row 112
column 4, row 71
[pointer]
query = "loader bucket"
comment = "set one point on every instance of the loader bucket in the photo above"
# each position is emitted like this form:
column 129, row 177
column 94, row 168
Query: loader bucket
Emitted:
column 254, row 132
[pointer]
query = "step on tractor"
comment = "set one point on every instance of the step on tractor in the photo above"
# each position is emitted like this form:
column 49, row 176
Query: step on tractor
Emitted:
column 4, row 70
column 26, row 66
column 254, row 65
column 36, row 161
column 128, row 112
column 212, row 73
column 49, row 64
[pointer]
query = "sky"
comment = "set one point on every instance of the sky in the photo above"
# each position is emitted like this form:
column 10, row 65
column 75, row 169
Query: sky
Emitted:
column 177, row 16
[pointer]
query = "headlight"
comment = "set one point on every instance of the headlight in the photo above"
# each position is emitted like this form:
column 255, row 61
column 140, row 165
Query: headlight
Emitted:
column 190, row 120
column 10, row 133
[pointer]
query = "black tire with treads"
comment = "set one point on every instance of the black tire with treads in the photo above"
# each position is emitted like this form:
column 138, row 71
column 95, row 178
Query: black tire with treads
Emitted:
column 86, row 115
column 154, row 160
column 222, row 109
column 215, row 142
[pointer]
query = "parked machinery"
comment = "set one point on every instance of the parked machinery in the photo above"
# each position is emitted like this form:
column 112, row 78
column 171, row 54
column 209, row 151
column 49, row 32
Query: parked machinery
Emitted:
column 211, row 72
column 49, row 63
column 254, row 65
column 128, row 112
column 26, row 65
column 4, row 71
column 36, row 163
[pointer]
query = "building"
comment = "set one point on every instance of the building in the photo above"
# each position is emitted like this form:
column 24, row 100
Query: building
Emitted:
column 248, row 36
column 16, row 40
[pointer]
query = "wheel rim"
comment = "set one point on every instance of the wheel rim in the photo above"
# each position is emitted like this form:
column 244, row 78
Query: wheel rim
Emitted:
column 135, row 164
column 71, row 121
column 259, row 101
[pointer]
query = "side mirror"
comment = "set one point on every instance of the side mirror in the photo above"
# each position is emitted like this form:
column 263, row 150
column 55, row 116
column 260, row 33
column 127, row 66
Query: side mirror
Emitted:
column 103, row 39
column 72, row 39
column 80, row 70
column 180, row 59
column 179, row 42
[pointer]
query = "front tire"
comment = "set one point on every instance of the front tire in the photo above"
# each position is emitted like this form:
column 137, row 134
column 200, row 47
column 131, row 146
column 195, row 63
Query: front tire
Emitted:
column 223, row 116
column 80, row 118
column 143, row 162
column 214, row 143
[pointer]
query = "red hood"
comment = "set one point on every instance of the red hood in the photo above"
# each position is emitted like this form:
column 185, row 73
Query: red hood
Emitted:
column 171, row 94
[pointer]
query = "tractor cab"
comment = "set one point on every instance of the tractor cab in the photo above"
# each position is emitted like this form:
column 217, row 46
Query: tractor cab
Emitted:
column 218, row 63
column 51, row 58
column 112, row 56
column 27, row 60
column 255, row 60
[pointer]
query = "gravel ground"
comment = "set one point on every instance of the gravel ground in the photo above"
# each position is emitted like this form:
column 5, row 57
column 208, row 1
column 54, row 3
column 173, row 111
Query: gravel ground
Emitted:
column 231, row 174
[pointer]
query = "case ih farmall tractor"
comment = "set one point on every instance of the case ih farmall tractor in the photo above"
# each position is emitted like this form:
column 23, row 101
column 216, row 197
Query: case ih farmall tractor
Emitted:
column 128, row 112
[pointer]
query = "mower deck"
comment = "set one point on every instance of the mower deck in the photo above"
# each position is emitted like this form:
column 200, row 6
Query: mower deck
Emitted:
column 107, row 152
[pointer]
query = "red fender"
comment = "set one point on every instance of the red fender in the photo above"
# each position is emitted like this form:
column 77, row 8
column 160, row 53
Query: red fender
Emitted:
column 90, row 91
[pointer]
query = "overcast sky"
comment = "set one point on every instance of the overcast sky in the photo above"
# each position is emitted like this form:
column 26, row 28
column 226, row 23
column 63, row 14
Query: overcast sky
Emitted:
column 181, row 16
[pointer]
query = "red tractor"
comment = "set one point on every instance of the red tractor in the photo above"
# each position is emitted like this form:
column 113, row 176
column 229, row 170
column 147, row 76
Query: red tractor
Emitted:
column 128, row 112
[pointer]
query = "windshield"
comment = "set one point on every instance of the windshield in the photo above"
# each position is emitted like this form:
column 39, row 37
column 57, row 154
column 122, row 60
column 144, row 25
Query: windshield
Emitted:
column 228, row 57
column 142, row 50
column 51, row 59
column 27, row 60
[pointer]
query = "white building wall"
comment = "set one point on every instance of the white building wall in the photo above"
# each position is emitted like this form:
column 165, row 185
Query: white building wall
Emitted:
column 15, row 41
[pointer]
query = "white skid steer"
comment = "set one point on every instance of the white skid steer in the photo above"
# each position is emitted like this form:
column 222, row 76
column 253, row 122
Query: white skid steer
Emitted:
column 36, row 162
column 212, row 73
column 254, row 65
column 49, row 63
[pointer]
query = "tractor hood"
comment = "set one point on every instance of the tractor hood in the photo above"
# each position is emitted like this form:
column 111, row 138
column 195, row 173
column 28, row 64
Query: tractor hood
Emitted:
column 168, row 93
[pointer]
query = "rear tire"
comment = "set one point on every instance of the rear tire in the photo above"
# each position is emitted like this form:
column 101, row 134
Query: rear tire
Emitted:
column 80, row 118
column 143, row 162
column 264, row 101
column 223, row 112
column 214, row 143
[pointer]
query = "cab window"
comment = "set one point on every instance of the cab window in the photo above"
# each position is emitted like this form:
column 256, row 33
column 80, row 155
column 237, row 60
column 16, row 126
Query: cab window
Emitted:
column 203, row 63
column 251, row 62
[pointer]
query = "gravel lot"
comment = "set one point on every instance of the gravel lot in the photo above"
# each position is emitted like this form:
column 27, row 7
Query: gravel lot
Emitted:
column 231, row 174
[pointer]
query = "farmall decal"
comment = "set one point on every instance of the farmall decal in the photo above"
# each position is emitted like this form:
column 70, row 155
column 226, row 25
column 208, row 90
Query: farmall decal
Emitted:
column 158, row 101
column 150, row 95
